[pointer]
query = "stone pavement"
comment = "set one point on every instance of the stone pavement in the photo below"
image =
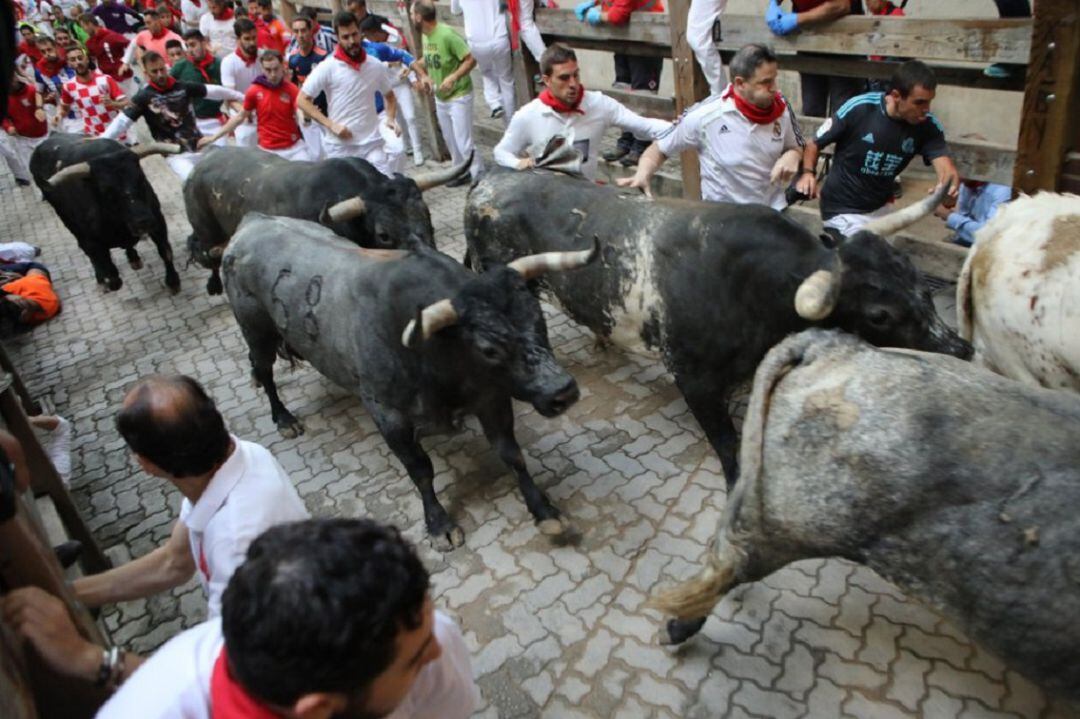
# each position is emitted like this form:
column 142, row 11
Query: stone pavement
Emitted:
column 556, row 631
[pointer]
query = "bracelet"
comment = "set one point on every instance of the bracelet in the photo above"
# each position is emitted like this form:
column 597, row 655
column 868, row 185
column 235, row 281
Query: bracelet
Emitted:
column 111, row 671
column 806, row 170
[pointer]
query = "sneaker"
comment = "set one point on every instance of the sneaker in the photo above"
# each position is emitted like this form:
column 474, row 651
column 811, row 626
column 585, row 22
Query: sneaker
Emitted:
column 998, row 71
column 617, row 154
column 497, row 113
column 460, row 182
column 631, row 159
column 418, row 158
column 22, row 183
column 620, row 85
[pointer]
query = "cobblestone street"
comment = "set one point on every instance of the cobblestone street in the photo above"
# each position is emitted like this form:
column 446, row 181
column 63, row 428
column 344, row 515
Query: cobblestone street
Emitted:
column 555, row 631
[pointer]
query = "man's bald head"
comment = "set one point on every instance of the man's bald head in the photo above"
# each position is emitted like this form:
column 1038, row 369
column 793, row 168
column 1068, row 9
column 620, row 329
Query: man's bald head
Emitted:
column 172, row 422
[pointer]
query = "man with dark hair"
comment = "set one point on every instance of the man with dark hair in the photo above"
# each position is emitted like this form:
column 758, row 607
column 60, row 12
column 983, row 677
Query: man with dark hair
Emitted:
column 272, row 33
column 116, row 16
column 24, row 127
column 350, row 79
column 154, row 37
column 326, row 617
column 217, row 27
column 107, row 49
column 567, row 110
column 174, row 53
column 399, row 63
column 165, row 103
column 877, row 135
column 304, row 55
column 94, row 96
column 747, row 137
column 488, row 35
column 233, row 491
column 239, row 69
column 27, row 297
column 200, row 67
column 53, row 66
column 323, row 37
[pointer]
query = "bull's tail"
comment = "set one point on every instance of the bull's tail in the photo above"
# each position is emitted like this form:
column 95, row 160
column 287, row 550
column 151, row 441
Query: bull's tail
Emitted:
column 727, row 559
column 287, row 353
column 965, row 299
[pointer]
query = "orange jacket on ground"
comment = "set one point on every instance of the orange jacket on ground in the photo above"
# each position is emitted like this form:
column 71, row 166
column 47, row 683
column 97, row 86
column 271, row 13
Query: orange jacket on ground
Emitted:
column 39, row 289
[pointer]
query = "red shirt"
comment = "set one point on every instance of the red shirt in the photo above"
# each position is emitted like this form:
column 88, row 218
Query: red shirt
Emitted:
column 20, row 113
column 618, row 11
column 271, row 35
column 107, row 49
column 30, row 49
column 275, row 111
column 51, row 68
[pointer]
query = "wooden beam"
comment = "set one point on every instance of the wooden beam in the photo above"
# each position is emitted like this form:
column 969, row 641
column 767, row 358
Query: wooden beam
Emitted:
column 690, row 87
column 644, row 27
column 620, row 46
column 967, row 75
column 974, row 40
column 1048, row 119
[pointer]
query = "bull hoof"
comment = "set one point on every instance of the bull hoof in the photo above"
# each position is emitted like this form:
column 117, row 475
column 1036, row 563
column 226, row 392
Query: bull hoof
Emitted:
column 112, row 284
column 553, row 527
column 449, row 540
column 677, row 631
column 289, row 430
column 214, row 286
column 173, row 283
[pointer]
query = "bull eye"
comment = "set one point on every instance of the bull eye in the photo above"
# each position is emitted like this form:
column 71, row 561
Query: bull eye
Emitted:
column 878, row 316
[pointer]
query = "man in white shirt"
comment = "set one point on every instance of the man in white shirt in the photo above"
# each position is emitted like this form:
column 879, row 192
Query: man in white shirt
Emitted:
column 747, row 137
column 233, row 490
column 238, row 70
column 565, row 108
column 217, row 27
column 328, row 617
column 350, row 80
column 191, row 13
column 488, row 36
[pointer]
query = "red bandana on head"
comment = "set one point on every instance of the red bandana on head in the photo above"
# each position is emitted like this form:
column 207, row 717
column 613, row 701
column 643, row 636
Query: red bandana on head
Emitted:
column 559, row 106
column 354, row 64
column 753, row 113
column 229, row 700
column 249, row 61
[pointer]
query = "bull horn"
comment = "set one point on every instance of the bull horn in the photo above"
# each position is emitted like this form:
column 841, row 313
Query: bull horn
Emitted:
column 71, row 172
column 896, row 221
column 817, row 295
column 345, row 210
column 156, row 148
column 430, row 320
column 433, row 179
column 532, row 266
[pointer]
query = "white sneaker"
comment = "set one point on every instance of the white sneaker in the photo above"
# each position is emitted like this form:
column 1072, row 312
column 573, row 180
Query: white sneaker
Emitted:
column 418, row 157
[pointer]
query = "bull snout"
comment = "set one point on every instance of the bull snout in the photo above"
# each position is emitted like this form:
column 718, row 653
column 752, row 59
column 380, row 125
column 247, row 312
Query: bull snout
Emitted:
column 555, row 403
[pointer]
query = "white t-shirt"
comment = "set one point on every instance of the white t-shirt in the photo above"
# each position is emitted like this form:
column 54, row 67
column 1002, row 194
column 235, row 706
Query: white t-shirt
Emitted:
column 536, row 123
column 484, row 20
column 220, row 33
column 193, row 13
column 737, row 155
column 350, row 96
column 248, row 495
column 175, row 682
column 237, row 74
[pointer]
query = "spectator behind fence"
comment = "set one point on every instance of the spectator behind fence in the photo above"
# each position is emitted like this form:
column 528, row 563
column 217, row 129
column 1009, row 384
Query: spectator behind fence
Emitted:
column 565, row 109
column 748, row 138
column 821, row 94
column 634, row 72
column 978, row 202
column 232, row 490
column 876, row 136
column 324, row 618
column 27, row 297
column 702, row 32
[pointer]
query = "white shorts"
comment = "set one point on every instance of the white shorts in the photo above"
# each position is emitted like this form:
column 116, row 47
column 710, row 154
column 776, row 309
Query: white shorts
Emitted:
column 298, row 151
column 373, row 151
column 209, row 126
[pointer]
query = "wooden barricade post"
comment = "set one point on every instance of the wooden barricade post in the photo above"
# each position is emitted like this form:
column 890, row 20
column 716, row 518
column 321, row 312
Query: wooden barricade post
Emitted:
column 690, row 87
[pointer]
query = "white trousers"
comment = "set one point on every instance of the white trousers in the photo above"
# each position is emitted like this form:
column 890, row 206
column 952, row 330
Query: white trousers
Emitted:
column 406, row 115
column 209, row 126
column 373, row 151
column 16, row 150
column 183, row 164
column 393, row 146
column 851, row 223
column 246, row 135
column 313, row 137
column 529, row 34
column 298, row 152
column 456, row 120
column 493, row 59
column 699, row 26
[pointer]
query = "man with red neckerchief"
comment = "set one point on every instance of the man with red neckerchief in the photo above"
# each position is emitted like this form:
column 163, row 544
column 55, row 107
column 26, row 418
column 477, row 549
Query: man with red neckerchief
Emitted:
column 24, row 128
column 107, row 49
column 154, row 37
column 94, row 96
column 747, row 137
column 165, row 104
column 239, row 69
column 202, row 68
column 565, row 108
column 217, row 27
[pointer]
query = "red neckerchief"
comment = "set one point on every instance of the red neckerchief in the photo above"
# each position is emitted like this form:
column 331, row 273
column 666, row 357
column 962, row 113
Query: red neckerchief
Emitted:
column 514, row 6
column 229, row 700
column 354, row 64
column 50, row 67
column 169, row 82
column 559, row 106
column 242, row 56
column 202, row 65
column 158, row 36
column 227, row 15
column 753, row 113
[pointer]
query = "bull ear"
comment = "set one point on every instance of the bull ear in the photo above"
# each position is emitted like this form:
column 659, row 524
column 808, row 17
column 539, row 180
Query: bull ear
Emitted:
column 427, row 322
column 72, row 172
column 532, row 266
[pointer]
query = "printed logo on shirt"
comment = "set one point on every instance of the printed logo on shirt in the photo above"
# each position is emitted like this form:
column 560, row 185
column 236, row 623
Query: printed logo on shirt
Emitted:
column 723, row 129
column 869, row 137
column 285, row 97
column 776, row 131
column 825, row 127
column 908, row 146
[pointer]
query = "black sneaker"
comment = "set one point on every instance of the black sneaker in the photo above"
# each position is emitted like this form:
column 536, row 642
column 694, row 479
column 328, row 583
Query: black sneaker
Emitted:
column 617, row 154
column 460, row 182
column 22, row 183
column 631, row 159
column 497, row 113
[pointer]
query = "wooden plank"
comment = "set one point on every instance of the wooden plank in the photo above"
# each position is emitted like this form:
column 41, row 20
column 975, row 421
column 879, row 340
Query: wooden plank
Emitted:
column 974, row 40
column 644, row 27
column 961, row 75
column 690, row 87
column 1048, row 119
column 620, row 46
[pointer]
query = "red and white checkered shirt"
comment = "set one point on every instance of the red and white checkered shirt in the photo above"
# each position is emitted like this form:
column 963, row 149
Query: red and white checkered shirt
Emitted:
column 89, row 101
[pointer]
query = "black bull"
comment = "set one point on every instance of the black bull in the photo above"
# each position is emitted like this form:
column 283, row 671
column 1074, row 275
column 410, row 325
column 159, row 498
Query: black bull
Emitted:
column 355, row 315
column 710, row 287
column 348, row 195
column 102, row 196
